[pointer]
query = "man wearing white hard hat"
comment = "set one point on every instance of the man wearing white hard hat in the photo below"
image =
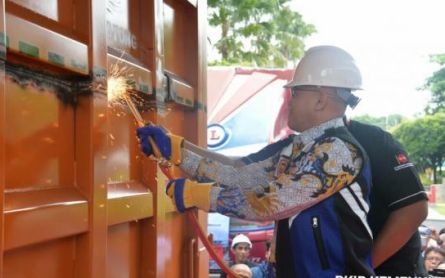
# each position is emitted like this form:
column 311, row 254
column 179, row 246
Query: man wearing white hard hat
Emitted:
column 240, row 247
column 398, row 200
column 324, row 188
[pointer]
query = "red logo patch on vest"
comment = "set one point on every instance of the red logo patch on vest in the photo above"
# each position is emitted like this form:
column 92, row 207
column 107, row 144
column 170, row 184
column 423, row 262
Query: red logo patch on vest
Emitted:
column 401, row 158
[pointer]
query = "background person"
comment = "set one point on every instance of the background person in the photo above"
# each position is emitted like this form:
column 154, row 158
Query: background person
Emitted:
column 441, row 238
column 399, row 203
column 240, row 247
column 242, row 270
column 434, row 256
column 265, row 269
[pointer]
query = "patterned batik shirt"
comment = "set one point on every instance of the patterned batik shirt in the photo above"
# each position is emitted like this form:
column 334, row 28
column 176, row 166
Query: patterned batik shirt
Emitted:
column 311, row 168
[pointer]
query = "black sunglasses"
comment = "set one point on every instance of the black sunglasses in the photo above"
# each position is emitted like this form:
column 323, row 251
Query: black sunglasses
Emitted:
column 294, row 90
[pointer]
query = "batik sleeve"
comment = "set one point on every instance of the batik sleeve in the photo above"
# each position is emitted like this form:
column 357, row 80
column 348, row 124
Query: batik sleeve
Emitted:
column 264, row 191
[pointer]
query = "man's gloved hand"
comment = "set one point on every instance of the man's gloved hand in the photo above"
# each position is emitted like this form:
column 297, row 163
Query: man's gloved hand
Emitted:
column 168, row 144
column 186, row 193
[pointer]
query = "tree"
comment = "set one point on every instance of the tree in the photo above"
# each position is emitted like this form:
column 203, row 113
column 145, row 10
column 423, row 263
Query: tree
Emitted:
column 264, row 33
column 436, row 84
column 384, row 122
column 424, row 139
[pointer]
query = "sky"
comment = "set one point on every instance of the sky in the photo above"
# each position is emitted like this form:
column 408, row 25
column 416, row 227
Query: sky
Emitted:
column 391, row 41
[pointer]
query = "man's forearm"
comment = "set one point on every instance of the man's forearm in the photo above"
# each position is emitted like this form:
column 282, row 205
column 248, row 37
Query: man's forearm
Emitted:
column 226, row 160
column 398, row 229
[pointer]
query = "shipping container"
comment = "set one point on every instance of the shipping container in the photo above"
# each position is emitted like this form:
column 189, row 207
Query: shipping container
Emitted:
column 79, row 198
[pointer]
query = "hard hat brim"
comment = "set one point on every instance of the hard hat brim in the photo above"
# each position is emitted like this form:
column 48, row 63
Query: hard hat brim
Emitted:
column 290, row 84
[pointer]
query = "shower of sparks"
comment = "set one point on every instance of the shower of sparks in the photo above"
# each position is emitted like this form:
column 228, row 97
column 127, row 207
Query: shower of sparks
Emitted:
column 119, row 88
column 119, row 81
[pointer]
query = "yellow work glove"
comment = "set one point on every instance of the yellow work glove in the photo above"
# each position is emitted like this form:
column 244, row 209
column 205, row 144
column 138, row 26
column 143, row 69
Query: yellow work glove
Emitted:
column 186, row 193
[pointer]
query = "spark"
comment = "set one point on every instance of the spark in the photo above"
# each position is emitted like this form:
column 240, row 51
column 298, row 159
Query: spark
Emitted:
column 119, row 81
column 119, row 86
column 48, row 140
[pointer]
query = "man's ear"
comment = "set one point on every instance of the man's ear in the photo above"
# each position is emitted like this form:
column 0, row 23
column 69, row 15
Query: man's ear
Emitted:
column 322, row 101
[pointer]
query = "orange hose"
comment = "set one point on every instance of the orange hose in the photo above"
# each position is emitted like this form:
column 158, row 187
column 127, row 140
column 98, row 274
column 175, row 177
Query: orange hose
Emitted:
column 198, row 230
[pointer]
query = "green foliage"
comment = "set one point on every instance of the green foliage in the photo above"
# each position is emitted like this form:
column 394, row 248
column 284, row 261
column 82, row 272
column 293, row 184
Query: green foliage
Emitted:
column 436, row 84
column 263, row 33
column 384, row 122
column 425, row 179
column 440, row 209
column 424, row 139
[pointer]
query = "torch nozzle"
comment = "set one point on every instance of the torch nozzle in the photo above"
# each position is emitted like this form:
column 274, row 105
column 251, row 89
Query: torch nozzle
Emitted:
column 134, row 111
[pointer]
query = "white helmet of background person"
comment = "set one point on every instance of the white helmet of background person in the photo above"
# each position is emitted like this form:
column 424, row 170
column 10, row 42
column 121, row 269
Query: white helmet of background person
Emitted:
column 327, row 66
column 241, row 239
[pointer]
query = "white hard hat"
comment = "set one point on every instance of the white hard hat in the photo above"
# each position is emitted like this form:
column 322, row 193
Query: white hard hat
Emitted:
column 327, row 66
column 241, row 239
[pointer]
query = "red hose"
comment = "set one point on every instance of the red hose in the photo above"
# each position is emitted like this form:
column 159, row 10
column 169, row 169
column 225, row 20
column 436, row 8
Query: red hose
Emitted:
column 202, row 236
